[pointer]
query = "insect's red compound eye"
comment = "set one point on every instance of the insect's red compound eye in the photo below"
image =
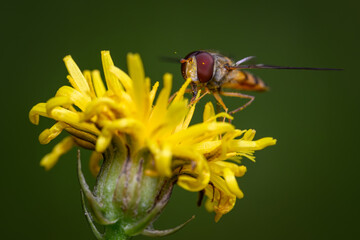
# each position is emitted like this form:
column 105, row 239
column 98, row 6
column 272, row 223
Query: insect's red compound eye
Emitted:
column 205, row 66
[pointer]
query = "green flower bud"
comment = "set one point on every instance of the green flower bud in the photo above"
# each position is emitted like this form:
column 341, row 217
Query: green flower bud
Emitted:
column 125, row 200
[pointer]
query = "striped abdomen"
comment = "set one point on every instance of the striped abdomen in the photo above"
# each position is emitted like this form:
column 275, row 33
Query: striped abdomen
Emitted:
column 242, row 80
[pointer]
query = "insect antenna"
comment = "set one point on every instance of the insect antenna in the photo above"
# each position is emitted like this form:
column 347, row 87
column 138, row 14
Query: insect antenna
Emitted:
column 170, row 59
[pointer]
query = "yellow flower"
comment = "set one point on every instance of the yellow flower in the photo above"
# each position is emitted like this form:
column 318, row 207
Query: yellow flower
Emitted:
column 202, row 157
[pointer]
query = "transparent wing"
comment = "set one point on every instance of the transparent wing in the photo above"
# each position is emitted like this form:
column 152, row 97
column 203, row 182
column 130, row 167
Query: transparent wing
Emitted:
column 263, row 66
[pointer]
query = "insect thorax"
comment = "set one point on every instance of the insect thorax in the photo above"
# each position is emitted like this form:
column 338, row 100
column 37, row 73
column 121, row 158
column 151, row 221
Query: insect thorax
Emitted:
column 220, row 72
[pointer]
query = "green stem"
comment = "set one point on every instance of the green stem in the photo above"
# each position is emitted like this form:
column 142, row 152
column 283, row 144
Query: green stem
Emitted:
column 115, row 232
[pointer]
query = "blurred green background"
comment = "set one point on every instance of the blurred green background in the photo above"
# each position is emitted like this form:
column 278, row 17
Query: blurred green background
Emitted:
column 305, row 187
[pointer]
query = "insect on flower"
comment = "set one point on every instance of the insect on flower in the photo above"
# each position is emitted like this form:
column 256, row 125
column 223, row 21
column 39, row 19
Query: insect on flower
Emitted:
column 212, row 71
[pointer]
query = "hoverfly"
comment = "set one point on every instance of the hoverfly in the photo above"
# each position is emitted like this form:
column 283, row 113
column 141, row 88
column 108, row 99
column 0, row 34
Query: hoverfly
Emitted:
column 213, row 72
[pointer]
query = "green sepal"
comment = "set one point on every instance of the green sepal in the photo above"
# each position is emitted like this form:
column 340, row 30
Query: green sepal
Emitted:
column 160, row 233
column 96, row 232
column 95, row 206
column 139, row 226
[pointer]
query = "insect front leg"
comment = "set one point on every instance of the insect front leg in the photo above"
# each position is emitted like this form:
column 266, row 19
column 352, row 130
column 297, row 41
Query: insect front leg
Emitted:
column 188, row 90
column 220, row 103
column 239, row 95
column 194, row 89
column 195, row 100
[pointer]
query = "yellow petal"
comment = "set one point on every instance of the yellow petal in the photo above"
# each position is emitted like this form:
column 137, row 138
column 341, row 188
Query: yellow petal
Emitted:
column 207, row 146
column 226, row 204
column 180, row 94
column 125, row 125
column 88, row 137
column 249, row 135
column 195, row 176
column 79, row 99
column 188, row 118
column 232, row 183
column 265, row 142
column 209, row 114
column 87, row 75
column 136, row 72
column 200, row 132
column 243, row 145
column 72, row 82
column 222, row 114
column 191, row 184
column 153, row 93
column 103, row 142
column 61, row 148
column 84, row 144
column 147, row 107
column 79, row 79
column 159, row 111
column 105, row 104
column 112, row 82
column 217, row 167
column 162, row 158
column 95, row 159
column 232, row 134
column 209, row 205
column 220, row 199
column 49, row 134
column 124, row 78
column 174, row 116
column 36, row 111
column 99, row 86
column 73, row 119
column 209, row 111
column 57, row 102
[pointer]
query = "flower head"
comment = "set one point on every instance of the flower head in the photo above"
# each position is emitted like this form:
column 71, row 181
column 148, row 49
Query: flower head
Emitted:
column 153, row 139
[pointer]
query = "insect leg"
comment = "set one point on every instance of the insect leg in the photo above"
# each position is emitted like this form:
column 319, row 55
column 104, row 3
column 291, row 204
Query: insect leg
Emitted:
column 188, row 90
column 220, row 101
column 194, row 89
column 240, row 95
column 195, row 100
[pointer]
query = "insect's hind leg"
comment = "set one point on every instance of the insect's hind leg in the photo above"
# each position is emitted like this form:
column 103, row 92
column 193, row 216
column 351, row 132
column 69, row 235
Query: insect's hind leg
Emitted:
column 239, row 95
